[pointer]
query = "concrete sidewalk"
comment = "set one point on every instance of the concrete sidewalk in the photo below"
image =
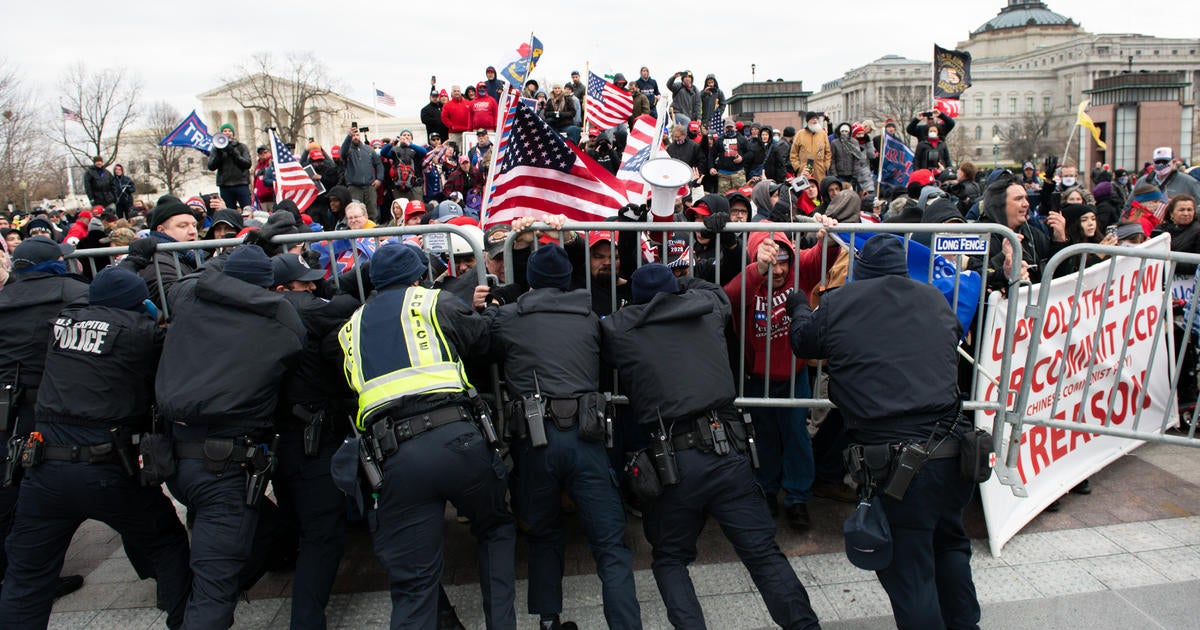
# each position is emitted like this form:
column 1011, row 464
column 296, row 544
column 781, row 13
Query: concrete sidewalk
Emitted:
column 1127, row 556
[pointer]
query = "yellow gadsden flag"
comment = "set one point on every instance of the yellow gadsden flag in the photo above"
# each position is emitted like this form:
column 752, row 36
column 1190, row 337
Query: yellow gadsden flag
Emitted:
column 1086, row 121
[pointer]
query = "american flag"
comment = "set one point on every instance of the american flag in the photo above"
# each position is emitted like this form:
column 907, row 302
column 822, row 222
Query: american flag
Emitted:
column 71, row 115
column 715, row 126
column 637, row 151
column 539, row 173
column 291, row 182
column 607, row 105
column 384, row 98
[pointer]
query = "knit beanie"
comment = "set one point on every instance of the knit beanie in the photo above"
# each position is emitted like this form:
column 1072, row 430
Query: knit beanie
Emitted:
column 167, row 207
column 881, row 255
column 118, row 288
column 650, row 280
column 396, row 263
column 549, row 267
column 249, row 263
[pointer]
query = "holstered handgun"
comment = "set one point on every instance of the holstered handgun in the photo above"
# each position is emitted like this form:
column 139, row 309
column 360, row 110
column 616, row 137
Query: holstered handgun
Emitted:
column 256, row 484
column 12, row 462
column 313, row 421
column 123, row 451
column 664, row 457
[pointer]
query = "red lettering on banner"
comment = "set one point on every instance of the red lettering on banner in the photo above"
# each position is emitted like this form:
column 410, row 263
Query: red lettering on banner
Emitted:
column 1058, row 449
column 1037, row 449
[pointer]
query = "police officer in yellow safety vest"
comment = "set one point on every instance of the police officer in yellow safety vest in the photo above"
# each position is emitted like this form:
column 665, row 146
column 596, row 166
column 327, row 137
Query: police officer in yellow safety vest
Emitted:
column 415, row 414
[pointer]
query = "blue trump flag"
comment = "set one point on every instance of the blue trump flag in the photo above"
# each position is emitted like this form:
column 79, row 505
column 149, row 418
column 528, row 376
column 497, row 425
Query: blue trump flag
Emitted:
column 970, row 284
column 896, row 162
column 191, row 133
column 515, row 72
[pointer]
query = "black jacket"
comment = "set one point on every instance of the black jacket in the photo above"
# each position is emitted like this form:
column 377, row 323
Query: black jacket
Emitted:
column 670, row 353
column 689, row 153
column 738, row 145
column 431, row 117
column 232, row 164
column 100, row 369
column 28, row 305
column 566, row 360
column 98, row 183
column 122, row 191
column 225, row 356
column 776, row 166
column 317, row 377
column 893, row 364
column 929, row 156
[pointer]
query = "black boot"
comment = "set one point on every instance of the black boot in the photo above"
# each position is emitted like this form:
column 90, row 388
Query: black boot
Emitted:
column 67, row 584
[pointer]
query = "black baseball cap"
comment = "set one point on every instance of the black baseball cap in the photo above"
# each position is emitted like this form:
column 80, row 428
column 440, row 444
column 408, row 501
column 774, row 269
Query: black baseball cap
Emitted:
column 494, row 239
column 290, row 268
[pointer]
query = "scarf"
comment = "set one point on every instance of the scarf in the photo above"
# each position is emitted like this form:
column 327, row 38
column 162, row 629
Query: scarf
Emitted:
column 56, row 267
column 852, row 148
column 188, row 256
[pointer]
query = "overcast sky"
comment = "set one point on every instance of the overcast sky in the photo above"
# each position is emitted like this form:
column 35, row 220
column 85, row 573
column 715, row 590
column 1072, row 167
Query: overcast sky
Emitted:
column 180, row 50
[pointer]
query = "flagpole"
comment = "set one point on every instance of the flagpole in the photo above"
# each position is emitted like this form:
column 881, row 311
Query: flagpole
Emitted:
column 271, row 141
column 587, row 71
column 883, row 140
column 375, row 107
column 1067, row 148
column 70, row 176
column 487, row 185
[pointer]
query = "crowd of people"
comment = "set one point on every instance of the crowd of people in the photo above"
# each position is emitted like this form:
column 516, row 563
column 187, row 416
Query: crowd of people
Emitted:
column 368, row 393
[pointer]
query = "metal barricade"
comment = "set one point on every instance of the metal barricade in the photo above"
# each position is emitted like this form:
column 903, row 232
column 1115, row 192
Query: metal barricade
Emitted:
column 1090, row 341
column 741, row 231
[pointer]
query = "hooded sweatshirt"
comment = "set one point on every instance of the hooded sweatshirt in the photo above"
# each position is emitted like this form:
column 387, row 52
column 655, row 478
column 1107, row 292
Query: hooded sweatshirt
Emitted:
column 755, row 309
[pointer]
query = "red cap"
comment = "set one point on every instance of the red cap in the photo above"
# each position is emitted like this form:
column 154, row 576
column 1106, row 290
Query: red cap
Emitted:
column 460, row 220
column 922, row 176
column 414, row 208
column 601, row 236
column 316, row 154
column 593, row 132
column 306, row 219
column 335, row 151
column 739, row 125
column 694, row 125
column 444, row 94
column 376, row 143
column 97, row 210
column 482, row 85
column 701, row 209
column 856, row 129
column 84, row 214
column 746, row 190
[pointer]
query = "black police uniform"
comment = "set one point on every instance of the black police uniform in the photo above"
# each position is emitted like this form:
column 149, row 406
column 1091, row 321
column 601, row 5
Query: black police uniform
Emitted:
column 28, row 304
column 225, row 355
column 891, row 344
column 314, row 401
column 402, row 356
column 670, row 354
column 95, row 393
column 555, row 336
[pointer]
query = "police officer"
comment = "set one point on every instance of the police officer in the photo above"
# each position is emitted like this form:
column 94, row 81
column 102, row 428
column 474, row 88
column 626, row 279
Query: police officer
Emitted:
column 550, row 343
column 95, row 394
column 37, row 290
column 669, row 350
column 230, row 342
column 312, row 422
column 402, row 355
column 891, row 344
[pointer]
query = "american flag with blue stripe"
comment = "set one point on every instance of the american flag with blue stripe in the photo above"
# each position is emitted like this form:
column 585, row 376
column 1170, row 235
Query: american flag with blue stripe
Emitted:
column 291, row 182
column 607, row 105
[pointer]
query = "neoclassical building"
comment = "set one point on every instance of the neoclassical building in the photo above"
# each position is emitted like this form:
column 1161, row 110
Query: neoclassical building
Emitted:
column 1032, row 65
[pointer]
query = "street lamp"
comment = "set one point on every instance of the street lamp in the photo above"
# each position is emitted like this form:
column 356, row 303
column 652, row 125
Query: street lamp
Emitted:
column 25, row 194
column 996, row 151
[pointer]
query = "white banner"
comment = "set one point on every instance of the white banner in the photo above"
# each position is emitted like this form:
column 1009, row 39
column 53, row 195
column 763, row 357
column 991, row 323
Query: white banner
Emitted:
column 1052, row 461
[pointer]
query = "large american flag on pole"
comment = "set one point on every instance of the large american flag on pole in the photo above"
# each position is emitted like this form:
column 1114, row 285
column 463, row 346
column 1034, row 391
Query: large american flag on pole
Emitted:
column 291, row 182
column 607, row 105
column 638, row 149
column 539, row 174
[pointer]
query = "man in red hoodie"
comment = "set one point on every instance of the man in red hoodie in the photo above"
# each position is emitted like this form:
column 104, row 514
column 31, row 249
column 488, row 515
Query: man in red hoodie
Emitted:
column 483, row 108
column 785, row 450
column 456, row 113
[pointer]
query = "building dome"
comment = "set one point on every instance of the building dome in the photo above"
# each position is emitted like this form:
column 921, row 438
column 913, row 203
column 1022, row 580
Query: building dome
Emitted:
column 1021, row 13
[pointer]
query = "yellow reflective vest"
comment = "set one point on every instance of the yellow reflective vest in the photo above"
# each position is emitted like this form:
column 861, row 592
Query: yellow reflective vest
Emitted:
column 394, row 347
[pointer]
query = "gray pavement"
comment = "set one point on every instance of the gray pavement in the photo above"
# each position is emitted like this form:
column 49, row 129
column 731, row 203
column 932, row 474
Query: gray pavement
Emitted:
column 1119, row 574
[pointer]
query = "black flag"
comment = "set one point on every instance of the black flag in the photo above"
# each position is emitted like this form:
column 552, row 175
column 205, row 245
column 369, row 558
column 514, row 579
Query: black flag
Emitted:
column 951, row 72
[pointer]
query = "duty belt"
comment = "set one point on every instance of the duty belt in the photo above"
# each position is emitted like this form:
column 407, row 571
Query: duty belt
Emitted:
column 700, row 433
column 404, row 429
column 94, row 454
column 237, row 450
column 945, row 449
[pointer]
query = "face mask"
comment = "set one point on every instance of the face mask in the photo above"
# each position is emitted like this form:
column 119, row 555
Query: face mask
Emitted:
column 1122, row 180
column 1068, row 181
column 1163, row 169
column 729, row 133
column 845, row 133
column 933, row 134
column 815, row 128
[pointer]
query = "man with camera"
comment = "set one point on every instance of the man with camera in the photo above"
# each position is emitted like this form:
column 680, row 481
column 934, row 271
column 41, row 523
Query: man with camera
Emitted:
column 921, row 125
column 893, row 367
column 231, row 160
column 363, row 174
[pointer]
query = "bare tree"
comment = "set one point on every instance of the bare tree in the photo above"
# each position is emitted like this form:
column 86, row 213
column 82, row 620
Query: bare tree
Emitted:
column 171, row 166
column 289, row 96
column 899, row 103
column 106, row 102
column 23, row 153
column 1033, row 134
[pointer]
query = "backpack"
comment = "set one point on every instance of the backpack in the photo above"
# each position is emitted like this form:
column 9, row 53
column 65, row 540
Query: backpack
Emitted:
column 406, row 174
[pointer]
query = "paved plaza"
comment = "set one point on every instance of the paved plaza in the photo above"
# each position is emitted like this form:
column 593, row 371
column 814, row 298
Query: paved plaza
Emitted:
column 1125, row 556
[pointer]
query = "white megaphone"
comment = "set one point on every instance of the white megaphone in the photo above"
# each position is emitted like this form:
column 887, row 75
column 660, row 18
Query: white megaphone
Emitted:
column 664, row 176
column 220, row 141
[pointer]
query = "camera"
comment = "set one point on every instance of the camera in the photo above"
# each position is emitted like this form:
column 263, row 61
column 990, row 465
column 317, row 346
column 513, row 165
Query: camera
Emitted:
column 798, row 184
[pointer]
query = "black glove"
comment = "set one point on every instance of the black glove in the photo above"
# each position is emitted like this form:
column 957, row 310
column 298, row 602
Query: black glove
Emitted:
column 143, row 249
column 795, row 300
column 716, row 221
column 633, row 213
